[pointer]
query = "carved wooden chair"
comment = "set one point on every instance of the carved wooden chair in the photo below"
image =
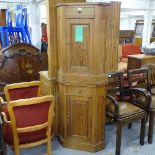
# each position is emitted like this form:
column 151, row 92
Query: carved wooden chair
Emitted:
column 123, row 112
column 143, row 78
column 29, row 123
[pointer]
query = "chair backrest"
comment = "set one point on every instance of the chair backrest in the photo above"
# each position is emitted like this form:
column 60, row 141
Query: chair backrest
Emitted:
column 8, row 18
column 22, row 90
column 140, row 78
column 19, row 15
column 152, row 70
column 115, row 85
column 28, row 116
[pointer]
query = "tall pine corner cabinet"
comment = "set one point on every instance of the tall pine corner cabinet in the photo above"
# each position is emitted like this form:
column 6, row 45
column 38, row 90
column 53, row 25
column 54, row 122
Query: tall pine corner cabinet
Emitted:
column 87, row 39
column 87, row 35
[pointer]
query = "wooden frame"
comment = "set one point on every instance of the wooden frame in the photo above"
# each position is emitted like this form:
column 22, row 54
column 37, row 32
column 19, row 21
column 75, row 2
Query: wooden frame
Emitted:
column 48, row 124
column 21, row 85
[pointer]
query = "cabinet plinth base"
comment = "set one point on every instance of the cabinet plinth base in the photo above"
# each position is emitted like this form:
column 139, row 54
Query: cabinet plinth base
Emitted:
column 84, row 146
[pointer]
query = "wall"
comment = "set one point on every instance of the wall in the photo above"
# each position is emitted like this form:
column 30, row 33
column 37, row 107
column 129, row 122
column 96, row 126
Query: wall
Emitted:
column 128, row 22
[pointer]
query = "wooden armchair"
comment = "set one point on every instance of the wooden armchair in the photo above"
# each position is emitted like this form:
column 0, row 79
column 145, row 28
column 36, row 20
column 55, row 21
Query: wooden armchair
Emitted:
column 123, row 112
column 30, row 122
column 143, row 79
column 17, row 91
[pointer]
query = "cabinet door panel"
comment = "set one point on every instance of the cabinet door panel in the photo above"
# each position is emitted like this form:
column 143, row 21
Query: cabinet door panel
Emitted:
column 79, row 45
column 78, row 114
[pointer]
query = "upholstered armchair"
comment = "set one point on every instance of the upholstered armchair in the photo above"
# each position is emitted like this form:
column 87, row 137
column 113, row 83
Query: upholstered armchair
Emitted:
column 124, row 51
column 17, row 91
column 144, row 77
column 29, row 123
column 124, row 112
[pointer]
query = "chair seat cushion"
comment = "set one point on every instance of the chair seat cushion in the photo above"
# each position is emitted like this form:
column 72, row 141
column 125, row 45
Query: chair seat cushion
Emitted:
column 125, row 109
column 23, row 137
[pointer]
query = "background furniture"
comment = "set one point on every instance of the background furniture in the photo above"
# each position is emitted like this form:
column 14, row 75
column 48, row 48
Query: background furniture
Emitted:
column 139, row 32
column 126, row 36
column 124, row 51
column 121, row 111
column 34, row 127
column 2, row 17
column 20, row 63
column 2, row 20
column 137, row 60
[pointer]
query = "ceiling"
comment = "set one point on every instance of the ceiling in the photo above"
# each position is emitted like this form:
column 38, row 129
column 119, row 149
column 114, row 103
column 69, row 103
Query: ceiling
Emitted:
column 128, row 7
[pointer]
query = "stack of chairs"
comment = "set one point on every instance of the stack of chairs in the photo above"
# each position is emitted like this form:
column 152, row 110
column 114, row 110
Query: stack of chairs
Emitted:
column 20, row 33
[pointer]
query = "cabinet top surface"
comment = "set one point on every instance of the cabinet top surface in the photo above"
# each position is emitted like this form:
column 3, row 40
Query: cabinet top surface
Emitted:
column 141, row 56
column 83, row 4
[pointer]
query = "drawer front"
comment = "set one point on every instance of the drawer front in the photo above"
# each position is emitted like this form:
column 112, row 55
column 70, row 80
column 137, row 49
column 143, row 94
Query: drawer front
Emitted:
column 82, row 12
column 79, row 91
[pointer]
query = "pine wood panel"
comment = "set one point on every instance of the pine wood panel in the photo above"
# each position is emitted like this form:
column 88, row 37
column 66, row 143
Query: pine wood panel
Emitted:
column 52, row 35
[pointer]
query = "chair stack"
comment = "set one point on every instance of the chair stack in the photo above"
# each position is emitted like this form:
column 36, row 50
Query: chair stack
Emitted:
column 20, row 33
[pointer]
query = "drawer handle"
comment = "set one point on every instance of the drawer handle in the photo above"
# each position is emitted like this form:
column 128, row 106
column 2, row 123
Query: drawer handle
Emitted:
column 79, row 91
column 68, row 116
column 79, row 10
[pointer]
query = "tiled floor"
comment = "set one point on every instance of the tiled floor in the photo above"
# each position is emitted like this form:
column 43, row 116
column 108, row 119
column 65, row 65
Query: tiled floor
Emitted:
column 130, row 144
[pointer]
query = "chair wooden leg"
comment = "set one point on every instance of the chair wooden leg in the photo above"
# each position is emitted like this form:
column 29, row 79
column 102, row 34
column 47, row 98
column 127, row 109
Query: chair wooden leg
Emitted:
column 4, row 147
column 17, row 151
column 118, row 138
column 3, row 144
column 151, row 124
column 129, row 125
column 49, row 147
column 142, row 132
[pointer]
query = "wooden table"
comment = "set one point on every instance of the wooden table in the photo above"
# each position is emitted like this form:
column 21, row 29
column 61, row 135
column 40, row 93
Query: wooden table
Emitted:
column 137, row 60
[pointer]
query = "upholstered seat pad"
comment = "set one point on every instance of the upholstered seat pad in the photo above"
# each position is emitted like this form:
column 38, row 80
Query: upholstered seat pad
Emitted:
column 125, row 109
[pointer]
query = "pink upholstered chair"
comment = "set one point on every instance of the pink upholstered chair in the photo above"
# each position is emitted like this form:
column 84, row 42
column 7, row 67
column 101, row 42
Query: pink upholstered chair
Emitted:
column 29, row 123
column 124, row 51
column 17, row 91
column 129, row 49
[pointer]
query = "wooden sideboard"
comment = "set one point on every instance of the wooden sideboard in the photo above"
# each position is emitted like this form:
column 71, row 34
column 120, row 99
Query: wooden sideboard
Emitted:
column 137, row 60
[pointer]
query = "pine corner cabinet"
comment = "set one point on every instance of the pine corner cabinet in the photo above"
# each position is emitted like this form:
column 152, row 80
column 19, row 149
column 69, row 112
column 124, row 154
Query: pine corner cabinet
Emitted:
column 87, row 35
column 83, row 47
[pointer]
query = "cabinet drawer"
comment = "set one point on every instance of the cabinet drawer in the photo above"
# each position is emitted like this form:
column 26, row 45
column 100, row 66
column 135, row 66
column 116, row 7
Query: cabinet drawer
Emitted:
column 79, row 91
column 82, row 12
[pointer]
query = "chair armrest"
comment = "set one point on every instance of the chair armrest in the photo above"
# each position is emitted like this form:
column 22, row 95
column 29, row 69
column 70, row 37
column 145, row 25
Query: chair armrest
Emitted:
column 115, row 103
column 139, row 102
column 4, row 118
column 1, row 100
